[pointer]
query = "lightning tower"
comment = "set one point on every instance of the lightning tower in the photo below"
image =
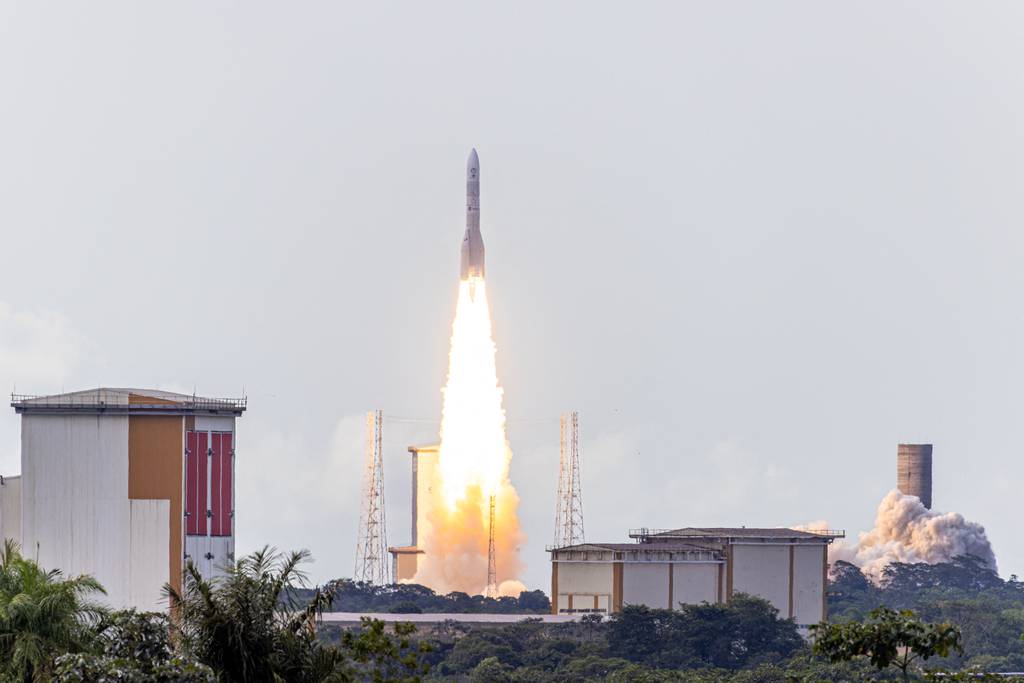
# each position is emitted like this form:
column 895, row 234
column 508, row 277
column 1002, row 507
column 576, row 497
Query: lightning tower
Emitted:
column 569, row 505
column 372, row 564
column 492, row 569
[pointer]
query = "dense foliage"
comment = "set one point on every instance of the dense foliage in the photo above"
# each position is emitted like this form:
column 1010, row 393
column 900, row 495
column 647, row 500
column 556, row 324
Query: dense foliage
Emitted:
column 639, row 640
column 888, row 639
column 259, row 622
column 988, row 610
column 407, row 598
column 249, row 627
column 238, row 627
column 131, row 647
column 41, row 613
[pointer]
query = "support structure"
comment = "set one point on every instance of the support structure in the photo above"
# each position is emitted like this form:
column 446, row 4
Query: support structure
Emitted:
column 372, row 562
column 492, row 569
column 569, row 505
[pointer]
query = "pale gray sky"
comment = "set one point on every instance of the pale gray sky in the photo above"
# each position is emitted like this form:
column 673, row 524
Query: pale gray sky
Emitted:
column 755, row 244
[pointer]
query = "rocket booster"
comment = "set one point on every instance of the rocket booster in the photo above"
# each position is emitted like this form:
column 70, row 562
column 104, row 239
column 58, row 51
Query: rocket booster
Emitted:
column 472, row 242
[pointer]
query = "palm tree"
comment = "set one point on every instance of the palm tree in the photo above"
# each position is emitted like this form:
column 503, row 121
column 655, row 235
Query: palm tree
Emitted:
column 246, row 625
column 42, row 615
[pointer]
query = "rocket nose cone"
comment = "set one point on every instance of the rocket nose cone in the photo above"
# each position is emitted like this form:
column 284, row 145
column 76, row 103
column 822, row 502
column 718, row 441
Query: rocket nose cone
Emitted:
column 473, row 165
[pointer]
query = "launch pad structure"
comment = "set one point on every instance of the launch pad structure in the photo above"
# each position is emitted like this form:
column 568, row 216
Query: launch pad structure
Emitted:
column 569, row 501
column 372, row 545
column 492, row 566
column 405, row 560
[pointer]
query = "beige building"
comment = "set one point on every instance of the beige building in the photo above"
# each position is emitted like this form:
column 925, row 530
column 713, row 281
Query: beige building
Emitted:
column 663, row 568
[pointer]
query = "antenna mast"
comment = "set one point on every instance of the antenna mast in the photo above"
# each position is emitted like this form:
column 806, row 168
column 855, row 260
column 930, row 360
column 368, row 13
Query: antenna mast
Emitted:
column 569, row 505
column 372, row 565
column 492, row 569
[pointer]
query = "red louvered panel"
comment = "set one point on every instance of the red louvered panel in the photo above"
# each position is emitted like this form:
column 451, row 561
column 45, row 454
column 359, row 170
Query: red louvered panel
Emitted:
column 202, row 481
column 220, row 485
column 191, row 483
column 227, row 485
column 215, row 474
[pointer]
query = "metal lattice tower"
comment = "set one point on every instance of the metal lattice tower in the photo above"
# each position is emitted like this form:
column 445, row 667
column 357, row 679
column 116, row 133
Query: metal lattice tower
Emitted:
column 569, row 506
column 492, row 569
column 372, row 565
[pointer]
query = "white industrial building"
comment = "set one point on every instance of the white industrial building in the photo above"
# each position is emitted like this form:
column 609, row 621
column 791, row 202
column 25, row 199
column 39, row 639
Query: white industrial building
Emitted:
column 126, row 485
column 663, row 568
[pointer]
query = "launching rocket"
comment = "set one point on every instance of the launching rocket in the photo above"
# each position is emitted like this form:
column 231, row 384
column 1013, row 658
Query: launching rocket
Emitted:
column 472, row 242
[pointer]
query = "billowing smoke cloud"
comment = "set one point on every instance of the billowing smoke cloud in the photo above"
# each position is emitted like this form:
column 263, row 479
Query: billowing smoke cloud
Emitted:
column 907, row 531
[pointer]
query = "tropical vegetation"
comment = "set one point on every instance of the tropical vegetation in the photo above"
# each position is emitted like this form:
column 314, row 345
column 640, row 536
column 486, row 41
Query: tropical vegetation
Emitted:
column 260, row 621
column 41, row 613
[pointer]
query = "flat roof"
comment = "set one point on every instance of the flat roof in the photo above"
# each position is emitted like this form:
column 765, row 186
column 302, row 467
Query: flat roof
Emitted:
column 406, row 550
column 622, row 547
column 735, row 532
column 127, row 401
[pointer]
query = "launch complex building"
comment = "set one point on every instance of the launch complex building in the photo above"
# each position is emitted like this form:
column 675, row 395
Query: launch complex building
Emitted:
column 126, row 485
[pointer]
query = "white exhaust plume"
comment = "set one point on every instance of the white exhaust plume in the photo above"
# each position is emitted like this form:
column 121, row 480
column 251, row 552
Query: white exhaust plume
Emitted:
column 472, row 467
column 907, row 531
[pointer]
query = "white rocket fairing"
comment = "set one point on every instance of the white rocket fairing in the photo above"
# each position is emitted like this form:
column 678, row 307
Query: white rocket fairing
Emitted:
column 472, row 242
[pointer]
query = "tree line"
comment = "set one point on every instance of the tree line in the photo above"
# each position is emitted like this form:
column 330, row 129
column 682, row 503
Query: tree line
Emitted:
column 242, row 627
column 411, row 598
column 260, row 622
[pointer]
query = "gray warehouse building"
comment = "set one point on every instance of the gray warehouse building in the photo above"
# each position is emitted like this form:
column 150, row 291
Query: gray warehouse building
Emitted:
column 663, row 568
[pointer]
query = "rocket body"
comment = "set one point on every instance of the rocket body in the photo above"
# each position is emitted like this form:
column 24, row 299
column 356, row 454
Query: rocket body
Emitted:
column 472, row 262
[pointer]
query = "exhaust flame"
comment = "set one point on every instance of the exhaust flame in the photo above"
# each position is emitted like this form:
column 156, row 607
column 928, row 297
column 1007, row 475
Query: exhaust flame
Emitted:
column 472, row 465
column 907, row 531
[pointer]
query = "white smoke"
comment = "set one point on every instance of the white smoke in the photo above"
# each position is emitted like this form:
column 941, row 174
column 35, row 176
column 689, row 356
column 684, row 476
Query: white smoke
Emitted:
column 906, row 531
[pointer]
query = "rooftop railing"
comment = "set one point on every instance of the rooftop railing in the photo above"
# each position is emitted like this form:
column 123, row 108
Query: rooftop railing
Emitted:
column 95, row 400
column 644, row 532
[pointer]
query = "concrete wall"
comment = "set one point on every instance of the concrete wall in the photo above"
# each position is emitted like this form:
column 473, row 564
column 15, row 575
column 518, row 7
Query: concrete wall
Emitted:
column 645, row 584
column 762, row 570
column 580, row 582
column 405, row 566
column 584, row 577
column 809, row 570
column 426, row 462
column 75, row 511
column 10, row 509
column 694, row 583
column 914, row 471
column 148, row 554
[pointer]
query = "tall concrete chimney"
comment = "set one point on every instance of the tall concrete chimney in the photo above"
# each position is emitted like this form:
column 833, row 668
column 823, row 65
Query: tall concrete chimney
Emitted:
column 914, row 471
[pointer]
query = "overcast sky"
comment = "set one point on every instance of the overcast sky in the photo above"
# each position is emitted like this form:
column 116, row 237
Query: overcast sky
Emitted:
column 756, row 245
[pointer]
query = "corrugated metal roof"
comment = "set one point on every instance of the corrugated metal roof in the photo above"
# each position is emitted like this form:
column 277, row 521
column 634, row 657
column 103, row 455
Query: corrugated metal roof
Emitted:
column 641, row 547
column 731, row 532
column 120, row 400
